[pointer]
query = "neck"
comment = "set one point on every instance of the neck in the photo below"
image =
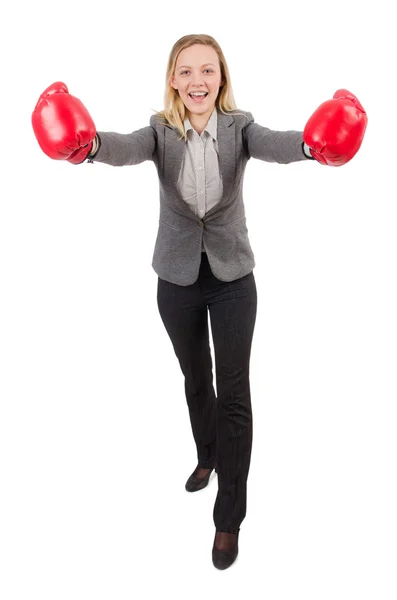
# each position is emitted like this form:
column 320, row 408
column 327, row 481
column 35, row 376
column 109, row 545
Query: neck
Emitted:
column 199, row 122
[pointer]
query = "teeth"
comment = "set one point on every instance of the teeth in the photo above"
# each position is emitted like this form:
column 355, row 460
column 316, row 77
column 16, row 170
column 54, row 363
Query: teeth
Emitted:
column 198, row 94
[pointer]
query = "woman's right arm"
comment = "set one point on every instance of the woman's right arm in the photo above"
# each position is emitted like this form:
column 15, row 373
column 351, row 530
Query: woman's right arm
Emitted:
column 120, row 149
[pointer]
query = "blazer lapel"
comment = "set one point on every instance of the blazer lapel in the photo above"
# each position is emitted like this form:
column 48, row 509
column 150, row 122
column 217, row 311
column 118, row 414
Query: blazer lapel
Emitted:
column 227, row 157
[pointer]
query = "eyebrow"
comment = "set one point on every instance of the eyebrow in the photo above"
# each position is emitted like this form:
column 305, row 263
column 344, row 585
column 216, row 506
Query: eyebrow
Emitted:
column 184, row 66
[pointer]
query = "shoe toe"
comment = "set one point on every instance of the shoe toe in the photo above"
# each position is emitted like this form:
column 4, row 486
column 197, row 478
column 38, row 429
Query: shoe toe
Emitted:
column 222, row 559
column 194, row 483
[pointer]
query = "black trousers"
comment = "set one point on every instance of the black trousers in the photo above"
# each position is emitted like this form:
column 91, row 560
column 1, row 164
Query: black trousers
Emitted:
column 222, row 424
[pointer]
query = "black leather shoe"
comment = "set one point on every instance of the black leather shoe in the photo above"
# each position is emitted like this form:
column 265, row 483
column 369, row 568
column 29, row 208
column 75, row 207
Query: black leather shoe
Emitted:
column 194, row 483
column 222, row 559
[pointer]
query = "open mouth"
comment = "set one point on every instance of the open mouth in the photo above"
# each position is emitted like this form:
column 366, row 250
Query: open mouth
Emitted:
column 198, row 99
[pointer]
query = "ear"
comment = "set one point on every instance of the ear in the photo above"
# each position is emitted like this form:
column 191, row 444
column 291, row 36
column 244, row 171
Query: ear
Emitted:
column 172, row 82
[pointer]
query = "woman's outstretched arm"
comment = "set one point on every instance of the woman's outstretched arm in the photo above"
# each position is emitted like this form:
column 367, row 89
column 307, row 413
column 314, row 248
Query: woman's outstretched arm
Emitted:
column 119, row 149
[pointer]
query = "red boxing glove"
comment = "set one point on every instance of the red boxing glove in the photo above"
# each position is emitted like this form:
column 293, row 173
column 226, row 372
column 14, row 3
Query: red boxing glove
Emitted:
column 336, row 129
column 62, row 125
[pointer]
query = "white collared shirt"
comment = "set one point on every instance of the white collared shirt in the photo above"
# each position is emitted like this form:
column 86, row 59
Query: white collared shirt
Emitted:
column 200, row 181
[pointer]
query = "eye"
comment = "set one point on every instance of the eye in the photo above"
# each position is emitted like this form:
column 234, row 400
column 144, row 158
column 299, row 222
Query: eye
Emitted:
column 182, row 72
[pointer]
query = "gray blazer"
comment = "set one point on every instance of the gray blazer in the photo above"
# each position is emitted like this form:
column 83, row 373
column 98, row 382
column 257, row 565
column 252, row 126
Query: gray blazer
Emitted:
column 222, row 230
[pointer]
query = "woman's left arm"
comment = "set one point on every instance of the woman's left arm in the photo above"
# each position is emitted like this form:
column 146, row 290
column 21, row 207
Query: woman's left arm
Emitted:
column 273, row 146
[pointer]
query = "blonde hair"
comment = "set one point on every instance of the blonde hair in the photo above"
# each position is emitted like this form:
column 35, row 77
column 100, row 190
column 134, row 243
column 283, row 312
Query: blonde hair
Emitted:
column 174, row 111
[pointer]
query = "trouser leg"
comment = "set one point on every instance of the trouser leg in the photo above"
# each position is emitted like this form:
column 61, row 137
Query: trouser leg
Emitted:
column 233, row 313
column 185, row 317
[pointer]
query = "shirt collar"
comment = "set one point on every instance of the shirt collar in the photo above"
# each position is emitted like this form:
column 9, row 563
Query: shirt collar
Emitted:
column 211, row 127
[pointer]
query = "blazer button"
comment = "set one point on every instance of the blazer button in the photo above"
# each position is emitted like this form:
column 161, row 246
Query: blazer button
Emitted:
column 201, row 224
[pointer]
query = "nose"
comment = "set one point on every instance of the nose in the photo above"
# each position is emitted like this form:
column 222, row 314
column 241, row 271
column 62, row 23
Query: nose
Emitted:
column 197, row 78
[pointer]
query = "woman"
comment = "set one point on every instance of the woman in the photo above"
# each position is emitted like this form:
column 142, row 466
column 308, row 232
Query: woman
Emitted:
column 200, row 144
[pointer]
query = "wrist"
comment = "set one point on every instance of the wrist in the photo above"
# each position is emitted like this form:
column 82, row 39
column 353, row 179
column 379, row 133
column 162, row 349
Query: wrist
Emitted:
column 96, row 144
column 94, row 147
column 306, row 151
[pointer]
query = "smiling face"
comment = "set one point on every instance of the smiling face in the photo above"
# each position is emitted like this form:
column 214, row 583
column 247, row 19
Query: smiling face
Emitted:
column 197, row 69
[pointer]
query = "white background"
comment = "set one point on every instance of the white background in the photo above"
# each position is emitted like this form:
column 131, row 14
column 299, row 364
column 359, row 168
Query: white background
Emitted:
column 95, row 437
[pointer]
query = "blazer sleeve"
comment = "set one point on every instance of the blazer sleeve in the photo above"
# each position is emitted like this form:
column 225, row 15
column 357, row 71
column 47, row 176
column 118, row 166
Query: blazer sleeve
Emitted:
column 272, row 146
column 119, row 149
